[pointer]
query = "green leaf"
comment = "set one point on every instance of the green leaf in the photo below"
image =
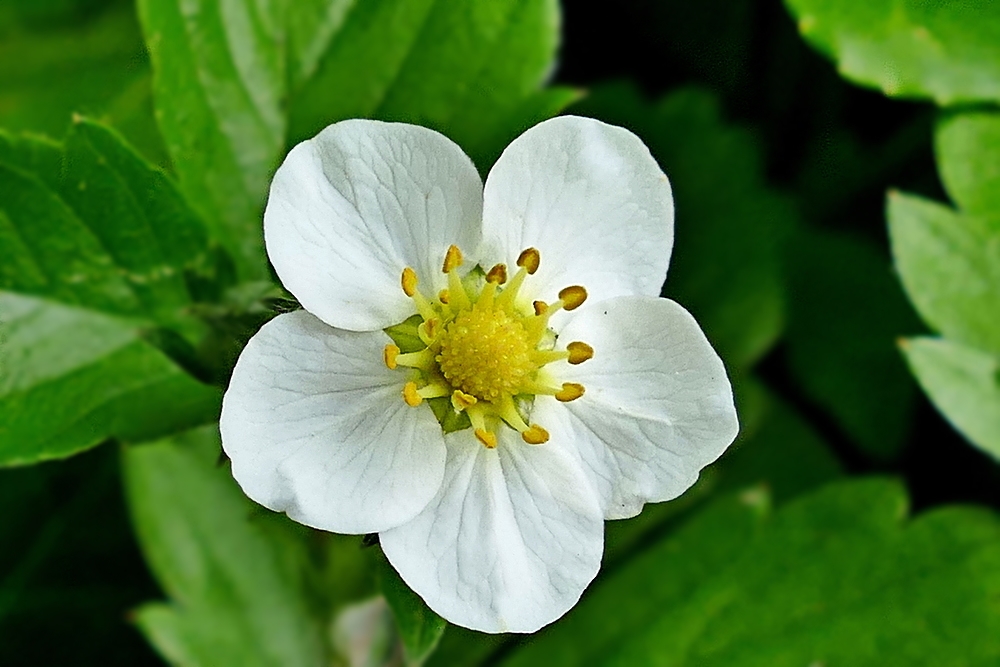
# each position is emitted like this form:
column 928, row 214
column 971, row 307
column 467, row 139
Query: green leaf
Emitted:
column 79, row 62
column 730, row 228
column 846, row 311
column 219, row 81
column 235, row 599
column 472, row 70
column 96, row 249
column 73, row 378
column 968, row 155
column 420, row 629
column 237, row 82
column 964, row 384
column 947, row 51
column 839, row 577
column 950, row 267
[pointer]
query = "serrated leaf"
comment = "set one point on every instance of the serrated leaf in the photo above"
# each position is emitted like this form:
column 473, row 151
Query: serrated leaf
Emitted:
column 95, row 249
column 968, row 156
column 947, row 51
column 837, row 577
column 234, row 598
column 964, row 384
column 420, row 629
column 950, row 266
column 846, row 311
column 730, row 228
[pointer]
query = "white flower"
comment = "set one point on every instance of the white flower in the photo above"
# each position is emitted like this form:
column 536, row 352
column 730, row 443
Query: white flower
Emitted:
column 576, row 417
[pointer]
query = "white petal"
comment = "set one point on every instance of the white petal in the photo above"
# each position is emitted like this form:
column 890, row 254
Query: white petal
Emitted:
column 353, row 206
column 316, row 426
column 591, row 199
column 658, row 406
column 511, row 540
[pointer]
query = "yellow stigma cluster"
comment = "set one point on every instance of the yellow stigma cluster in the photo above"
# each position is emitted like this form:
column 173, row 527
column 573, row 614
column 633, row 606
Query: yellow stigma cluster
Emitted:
column 486, row 350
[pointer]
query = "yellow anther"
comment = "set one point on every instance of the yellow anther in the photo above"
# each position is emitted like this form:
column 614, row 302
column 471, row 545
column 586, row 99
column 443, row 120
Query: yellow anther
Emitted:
column 535, row 435
column 579, row 352
column 410, row 395
column 488, row 438
column 497, row 275
column 572, row 297
column 539, row 306
column 429, row 329
column 570, row 392
column 389, row 355
column 529, row 260
column 409, row 281
column 443, row 297
column 462, row 401
column 452, row 259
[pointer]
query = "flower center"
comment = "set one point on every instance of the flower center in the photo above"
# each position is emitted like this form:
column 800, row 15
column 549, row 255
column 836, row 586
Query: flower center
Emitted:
column 486, row 350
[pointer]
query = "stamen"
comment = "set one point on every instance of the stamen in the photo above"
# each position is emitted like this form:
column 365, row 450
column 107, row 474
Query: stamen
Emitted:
column 410, row 395
column 535, row 435
column 443, row 296
column 389, row 356
column 488, row 438
column 486, row 298
column 434, row 390
column 422, row 359
column 529, row 259
column 498, row 274
column 540, row 307
column 508, row 412
column 572, row 297
column 409, row 281
column 579, row 352
column 462, row 401
column 570, row 392
column 452, row 259
column 542, row 357
column 429, row 329
column 458, row 300
column 485, row 436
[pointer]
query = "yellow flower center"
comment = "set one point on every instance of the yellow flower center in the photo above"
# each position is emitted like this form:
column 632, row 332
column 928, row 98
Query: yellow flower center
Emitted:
column 486, row 350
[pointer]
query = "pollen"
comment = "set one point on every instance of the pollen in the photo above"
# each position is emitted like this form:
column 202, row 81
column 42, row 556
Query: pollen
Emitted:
column 486, row 352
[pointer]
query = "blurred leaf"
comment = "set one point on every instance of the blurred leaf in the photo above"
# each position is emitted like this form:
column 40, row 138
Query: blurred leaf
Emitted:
column 950, row 267
column 948, row 51
column 68, row 57
column 235, row 599
column 968, row 156
column 472, row 70
column 845, row 312
column 95, row 246
column 420, row 629
column 69, row 566
column 225, row 73
column 964, row 384
column 835, row 578
column 730, row 228
column 73, row 378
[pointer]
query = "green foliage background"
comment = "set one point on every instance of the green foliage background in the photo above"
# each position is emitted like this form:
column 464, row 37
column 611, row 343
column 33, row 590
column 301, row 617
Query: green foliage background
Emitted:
column 836, row 168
